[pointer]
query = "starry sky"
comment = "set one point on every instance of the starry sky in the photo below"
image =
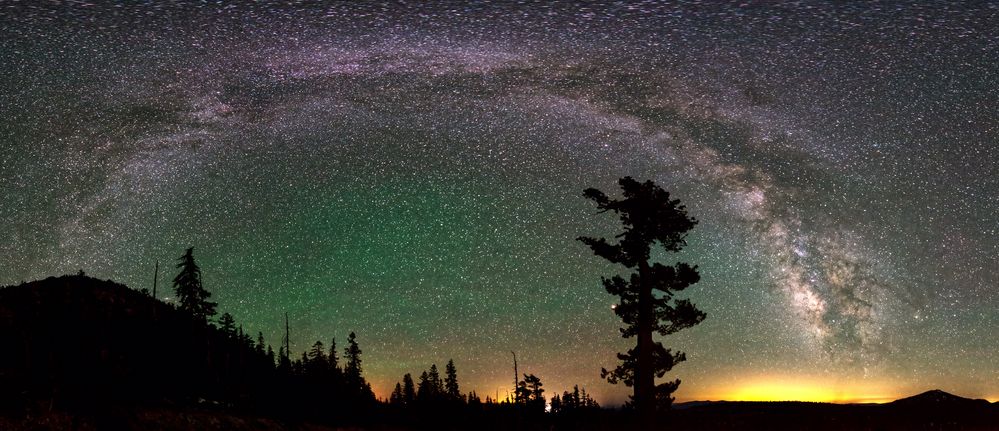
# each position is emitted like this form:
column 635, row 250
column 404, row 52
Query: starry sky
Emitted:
column 413, row 172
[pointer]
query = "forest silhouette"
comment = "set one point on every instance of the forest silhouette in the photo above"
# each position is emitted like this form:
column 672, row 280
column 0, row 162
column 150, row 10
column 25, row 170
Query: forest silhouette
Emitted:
column 83, row 353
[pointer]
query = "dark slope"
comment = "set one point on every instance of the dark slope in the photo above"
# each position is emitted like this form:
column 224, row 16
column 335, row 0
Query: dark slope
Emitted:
column 82, row 342
column 82, row 353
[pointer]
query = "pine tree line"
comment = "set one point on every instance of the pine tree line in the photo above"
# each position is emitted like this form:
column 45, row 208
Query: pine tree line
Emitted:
column 318, row 384
column 571, row 402
column 432, row 390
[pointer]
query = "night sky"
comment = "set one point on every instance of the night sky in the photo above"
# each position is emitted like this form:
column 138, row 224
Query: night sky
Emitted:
column 414, row 173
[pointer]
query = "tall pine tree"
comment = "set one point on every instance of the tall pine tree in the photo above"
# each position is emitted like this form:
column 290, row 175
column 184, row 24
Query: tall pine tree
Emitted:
column 317, row 365
column 396, row 398
column 260, row 343
column 647, row 298
column 333, row 358
column 424, row 392
column 191, row 295
column 451, row 382
column 436, row 384
column 408, row 390
column 352, row 373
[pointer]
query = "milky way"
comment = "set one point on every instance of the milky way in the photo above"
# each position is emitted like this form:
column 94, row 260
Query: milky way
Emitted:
column 414, row 173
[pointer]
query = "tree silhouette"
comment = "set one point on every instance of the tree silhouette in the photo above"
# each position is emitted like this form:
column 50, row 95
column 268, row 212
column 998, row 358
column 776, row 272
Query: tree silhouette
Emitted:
column 336, row 380
column 530, row 393
column 192, row 296
column 353, row 379
column 451, row 382
column 333, row 359
column 431, row 388
column 317, row 354
column 436, row 384
column 245, row 339
column 474, row 401
column 647, row 302
column 283, row 361
column 228, row 325
column 424, row 392
column 317, row 364
column 396, row 398
column 573, row 401
column 408, row 390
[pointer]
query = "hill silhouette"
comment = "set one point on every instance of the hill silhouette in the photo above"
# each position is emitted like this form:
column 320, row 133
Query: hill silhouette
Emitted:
column 98, row 350
column 937, row 399
column 77, row 339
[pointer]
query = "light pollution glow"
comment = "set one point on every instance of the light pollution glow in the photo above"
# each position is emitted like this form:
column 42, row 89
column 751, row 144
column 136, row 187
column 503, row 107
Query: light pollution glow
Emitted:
column 812, row 389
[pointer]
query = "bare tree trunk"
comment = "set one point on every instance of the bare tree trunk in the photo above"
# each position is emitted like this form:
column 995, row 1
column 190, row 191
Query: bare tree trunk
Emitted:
column 156, row 277
column 287, row 337
column 516, row 377
column 644, row 377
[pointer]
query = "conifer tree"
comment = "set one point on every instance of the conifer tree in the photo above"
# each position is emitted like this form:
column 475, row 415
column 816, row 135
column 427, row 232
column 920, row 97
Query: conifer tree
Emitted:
column 556, row 404
column 436, row 384
column 317, row 364
column 408, row 390
column 647, row 304
column 317, row 354
column 424, row 392
column 352, row 369
column 283, row 361
column 228, row 325
column 473, row 400
column 333, row 366
column 352, row 372
column 245, row 339
column 191, row 295
column 396, row 398
column 451, row 382
column 333, row 358
column 531, row 391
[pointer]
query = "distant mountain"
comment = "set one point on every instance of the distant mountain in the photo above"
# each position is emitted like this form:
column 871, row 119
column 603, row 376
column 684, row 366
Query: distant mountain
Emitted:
column 932, row 410
column 938, row 399
column 930, row 398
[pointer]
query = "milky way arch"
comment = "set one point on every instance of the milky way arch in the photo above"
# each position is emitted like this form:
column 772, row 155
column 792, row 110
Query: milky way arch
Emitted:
column 380, row 170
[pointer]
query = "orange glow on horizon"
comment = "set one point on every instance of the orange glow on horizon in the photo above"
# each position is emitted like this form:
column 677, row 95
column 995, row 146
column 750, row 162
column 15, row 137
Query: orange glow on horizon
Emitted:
column 810, row 389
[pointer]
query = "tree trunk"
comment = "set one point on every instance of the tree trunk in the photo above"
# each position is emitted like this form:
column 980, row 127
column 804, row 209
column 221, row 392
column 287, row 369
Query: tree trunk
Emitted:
column 644, row 375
